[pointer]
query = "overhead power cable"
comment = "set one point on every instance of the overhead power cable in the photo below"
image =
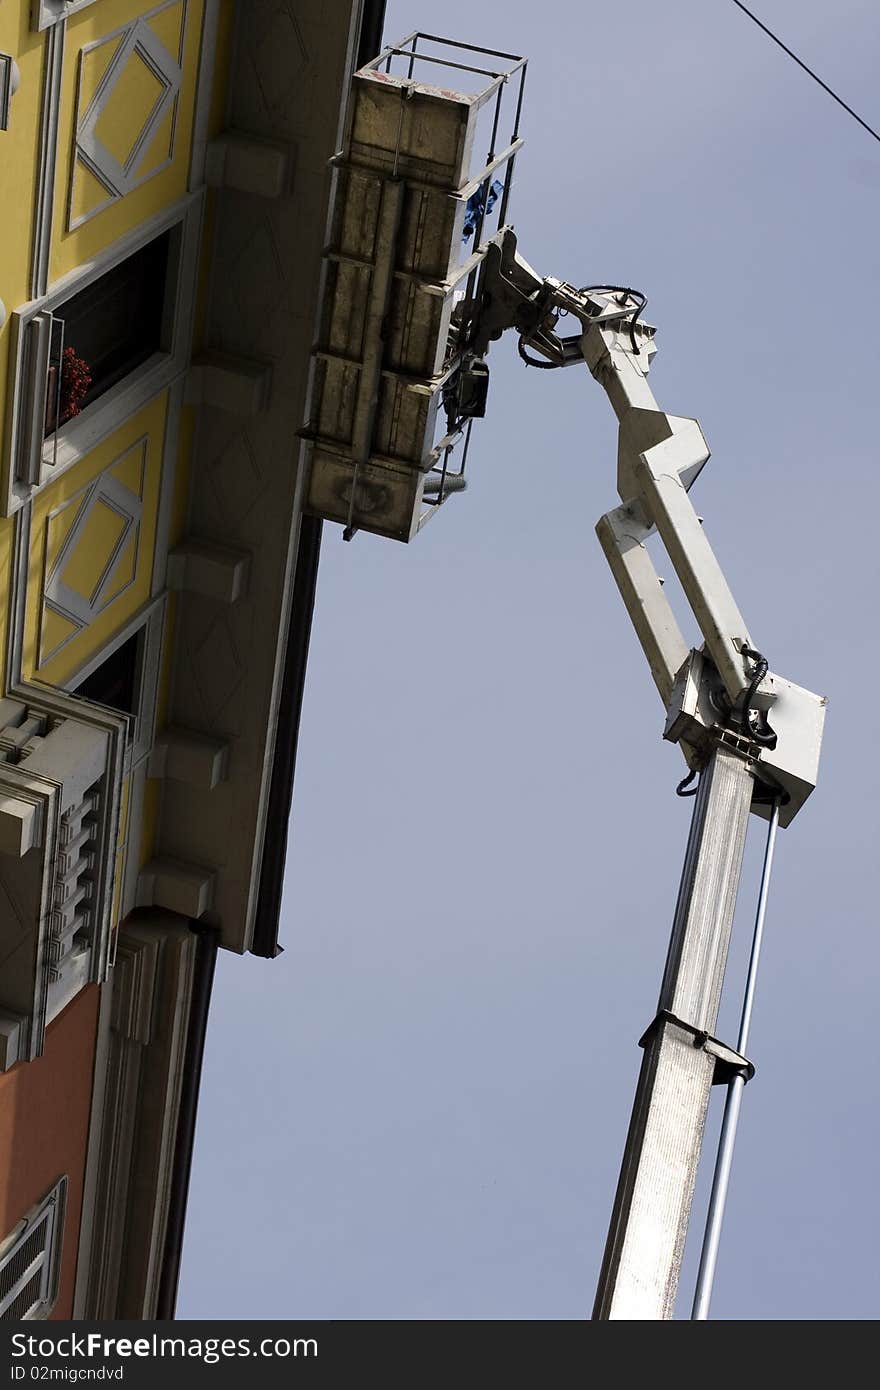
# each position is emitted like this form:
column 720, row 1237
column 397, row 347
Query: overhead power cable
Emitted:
column 815, row 76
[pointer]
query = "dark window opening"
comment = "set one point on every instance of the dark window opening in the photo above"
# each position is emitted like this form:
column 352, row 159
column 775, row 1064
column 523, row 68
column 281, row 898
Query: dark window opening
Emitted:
column 115, row 681
column 106, row 330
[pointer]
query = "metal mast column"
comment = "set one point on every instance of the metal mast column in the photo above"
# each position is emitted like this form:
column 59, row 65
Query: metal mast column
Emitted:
column 640, row 1269
column 735, row 1088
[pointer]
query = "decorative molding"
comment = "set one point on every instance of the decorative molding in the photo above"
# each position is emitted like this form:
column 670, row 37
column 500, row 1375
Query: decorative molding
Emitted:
column 135, row 1111
column 55, row 455
column 226, row 382
column 17, row 598
column 219, row 663
column 10, row 79
column 97, row 1138
column 249, row 164
column 177, row 887
column 204, row 93
column 117, row 569
column 283, row 50
column 135, row 48
column 134, row 985
column 167, row 484
column 134, row 852
column 186, row 756
column 198, row 566
column 46, row 12
column 45, row 199
column 12, row 1028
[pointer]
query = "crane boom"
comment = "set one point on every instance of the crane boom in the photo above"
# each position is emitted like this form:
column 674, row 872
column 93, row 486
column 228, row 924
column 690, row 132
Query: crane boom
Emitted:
column 718, row 700
column 406, row 322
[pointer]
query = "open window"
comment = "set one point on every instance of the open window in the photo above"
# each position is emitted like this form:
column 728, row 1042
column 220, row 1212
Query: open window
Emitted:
column 106, row 330
column 124, row 676
column 116, row 680
column 97, row 347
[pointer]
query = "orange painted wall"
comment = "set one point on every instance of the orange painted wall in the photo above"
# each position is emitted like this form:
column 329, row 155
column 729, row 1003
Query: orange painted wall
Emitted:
column 44, row 1126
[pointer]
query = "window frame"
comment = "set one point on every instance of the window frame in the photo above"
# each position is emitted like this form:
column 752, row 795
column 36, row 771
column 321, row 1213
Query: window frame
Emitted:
column 152, row 337
column 7, row 87
column 92, row 749
column 149, row 624
column 51, row 1211
column 45, row 13
column 35, row 459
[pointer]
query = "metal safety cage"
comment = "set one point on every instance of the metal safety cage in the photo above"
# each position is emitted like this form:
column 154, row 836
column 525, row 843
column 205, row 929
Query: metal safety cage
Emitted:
column 415, row 207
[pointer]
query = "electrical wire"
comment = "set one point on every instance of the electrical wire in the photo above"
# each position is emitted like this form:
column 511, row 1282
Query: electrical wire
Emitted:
column 632, row 324
column 628, row 294
column 809, row 71
column 762, row 666
column 762, row 733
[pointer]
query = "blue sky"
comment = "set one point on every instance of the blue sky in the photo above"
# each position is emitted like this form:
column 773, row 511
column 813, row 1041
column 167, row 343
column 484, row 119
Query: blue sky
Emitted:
column 418, row 1111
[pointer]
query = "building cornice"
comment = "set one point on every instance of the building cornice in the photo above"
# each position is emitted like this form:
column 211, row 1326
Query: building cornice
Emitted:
column 241, row 645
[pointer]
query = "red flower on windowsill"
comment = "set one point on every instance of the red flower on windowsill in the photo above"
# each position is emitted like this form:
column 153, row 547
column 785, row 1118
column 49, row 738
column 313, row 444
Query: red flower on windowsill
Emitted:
column 76, row 378
column 66, row 400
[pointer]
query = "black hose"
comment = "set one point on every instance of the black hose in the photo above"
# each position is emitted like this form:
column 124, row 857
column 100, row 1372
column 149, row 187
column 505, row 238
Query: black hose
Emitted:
column 762, row 733
column 629, row 294
column 686, row 782
column 534, row 361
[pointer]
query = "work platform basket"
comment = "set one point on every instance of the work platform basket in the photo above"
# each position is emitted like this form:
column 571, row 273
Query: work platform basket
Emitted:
column 421, row 188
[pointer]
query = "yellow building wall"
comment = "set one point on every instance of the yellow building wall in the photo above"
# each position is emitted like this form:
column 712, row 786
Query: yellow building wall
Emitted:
column 92, row 546
column 88, row 540
column 19, row 151
column 128, row 97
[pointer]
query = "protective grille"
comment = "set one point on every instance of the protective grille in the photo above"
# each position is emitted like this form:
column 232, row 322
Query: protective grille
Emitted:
column 29, row 1260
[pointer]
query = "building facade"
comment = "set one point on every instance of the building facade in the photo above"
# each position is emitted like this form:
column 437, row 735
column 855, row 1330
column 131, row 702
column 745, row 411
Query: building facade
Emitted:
column 164, row 169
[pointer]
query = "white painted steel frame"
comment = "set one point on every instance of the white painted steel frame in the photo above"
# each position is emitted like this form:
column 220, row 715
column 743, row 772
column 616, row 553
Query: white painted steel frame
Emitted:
column 659, row 456
column 642, row 1262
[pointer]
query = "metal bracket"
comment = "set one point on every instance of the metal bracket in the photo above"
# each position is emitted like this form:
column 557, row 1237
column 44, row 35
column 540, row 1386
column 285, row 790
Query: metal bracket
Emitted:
column 728, row 1062
column 738, row 744
column 508, row 293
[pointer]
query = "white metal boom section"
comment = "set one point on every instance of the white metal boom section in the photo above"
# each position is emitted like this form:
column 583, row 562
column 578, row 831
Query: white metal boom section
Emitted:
column 719, row 701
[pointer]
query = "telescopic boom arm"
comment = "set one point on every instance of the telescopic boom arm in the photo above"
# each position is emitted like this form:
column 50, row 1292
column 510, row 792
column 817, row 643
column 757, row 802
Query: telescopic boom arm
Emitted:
column 725, row 690
column 718, row 703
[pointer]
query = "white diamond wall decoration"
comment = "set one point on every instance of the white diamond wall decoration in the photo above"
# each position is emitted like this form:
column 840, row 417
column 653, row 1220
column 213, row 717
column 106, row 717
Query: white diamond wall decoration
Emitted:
column 133, row 107
column 69, row 606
